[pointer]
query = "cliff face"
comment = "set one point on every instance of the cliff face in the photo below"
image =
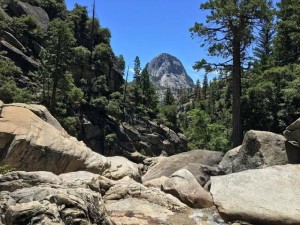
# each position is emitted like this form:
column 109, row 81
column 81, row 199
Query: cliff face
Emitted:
column 167, row 71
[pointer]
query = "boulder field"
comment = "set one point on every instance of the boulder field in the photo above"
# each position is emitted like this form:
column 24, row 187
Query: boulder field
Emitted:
column 59, row 180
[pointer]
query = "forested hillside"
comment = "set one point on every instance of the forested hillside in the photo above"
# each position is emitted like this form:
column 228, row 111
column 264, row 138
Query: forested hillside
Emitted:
column 265, row 64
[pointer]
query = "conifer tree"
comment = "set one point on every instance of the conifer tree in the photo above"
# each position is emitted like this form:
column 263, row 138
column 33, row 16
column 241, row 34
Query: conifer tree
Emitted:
column 228, row 33
column 169, row 98
column 57, row 56
column 197, row 91
column 204, row 87
column 287, row 42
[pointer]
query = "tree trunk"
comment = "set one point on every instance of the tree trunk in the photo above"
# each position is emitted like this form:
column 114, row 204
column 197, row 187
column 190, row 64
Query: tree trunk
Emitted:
column 237, row 133
column 53, row 95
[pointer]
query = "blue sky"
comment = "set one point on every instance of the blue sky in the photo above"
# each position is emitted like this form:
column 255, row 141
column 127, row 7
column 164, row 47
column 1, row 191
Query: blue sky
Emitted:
column 146, row 28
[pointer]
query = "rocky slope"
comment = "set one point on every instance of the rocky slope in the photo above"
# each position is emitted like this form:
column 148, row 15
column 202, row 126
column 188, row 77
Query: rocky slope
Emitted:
column 166, row 71
column 67, row 183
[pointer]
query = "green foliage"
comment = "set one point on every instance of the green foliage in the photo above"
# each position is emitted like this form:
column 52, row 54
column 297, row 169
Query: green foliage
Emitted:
column 4, row 23
column 168, row 98
column 9, row 91
column 202, row 133
column 168, row 115
column 264, row 104
column 6, row 169
column 102, row 57
column 70, row 124
column 27, row 26
column 99, row 103
column 113, row 107
column 57, row 56
column 287, row 41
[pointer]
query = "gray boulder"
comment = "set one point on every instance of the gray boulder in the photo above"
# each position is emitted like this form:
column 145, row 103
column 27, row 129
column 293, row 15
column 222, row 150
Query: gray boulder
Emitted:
column 183, row 185
column 260, row 149
column 226, row 164
column 22, row 8
column 292, row 134
column 192, row 160
column 263, row 196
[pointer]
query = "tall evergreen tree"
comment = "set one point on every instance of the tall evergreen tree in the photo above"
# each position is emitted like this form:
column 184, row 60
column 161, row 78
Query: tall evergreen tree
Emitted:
column 137, row 69
column 197, row 91
column 287, row 42
column 228, row 33
column 169, row 98
column 57, row 56
column 263, row 50
column 204, row 87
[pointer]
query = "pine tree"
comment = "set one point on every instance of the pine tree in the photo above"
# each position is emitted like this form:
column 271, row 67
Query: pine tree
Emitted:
column 204, row 87
column 169, row 98
column 197, row 91
column 263, row 50
column 228, row 34
column 137, row 69
column 287, row 42
column 57, row 56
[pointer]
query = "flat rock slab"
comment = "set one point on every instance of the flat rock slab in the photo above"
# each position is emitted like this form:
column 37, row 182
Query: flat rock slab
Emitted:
column 262, row 196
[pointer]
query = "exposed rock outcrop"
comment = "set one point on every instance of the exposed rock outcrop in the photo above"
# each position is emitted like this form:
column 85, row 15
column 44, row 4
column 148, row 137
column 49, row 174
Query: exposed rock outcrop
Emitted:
column 262, row 196
column 136, row 141
column 74, row 198
column 20, row 58
column 21, row 8
column 42, row 198
column 199, row 162
column 166, row 71
column 30, row 143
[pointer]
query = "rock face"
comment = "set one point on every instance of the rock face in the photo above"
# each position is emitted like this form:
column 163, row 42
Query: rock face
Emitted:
column 23, row 61
column 183, row 185
column 136, row 141
column 29, row 143
column 43, row 198
column 260, row 149
column 199, row 162
column 22, row 8
column 167, row 71
column 292, row 134
column 264, row 196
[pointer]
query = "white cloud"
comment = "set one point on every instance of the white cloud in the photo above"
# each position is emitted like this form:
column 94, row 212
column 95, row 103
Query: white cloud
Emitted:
column 131, row 70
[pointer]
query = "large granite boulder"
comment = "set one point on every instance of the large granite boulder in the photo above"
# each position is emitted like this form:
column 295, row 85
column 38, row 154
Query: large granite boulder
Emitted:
column 263, row 196
column 29, row 142
column 259, row 149
column 226, row 163
column 198, row 162
column 183, row 185
column 22, row 8
column 121, row 167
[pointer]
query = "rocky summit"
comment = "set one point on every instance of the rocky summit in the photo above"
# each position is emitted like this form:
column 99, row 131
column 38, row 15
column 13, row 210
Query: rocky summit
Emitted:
column 167, row 71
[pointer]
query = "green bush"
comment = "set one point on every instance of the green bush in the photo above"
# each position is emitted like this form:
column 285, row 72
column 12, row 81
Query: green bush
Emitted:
column 5, row 169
